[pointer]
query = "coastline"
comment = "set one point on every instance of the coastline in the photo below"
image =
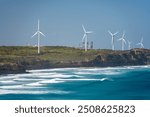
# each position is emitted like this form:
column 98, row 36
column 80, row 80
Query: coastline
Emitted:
column 13, row 62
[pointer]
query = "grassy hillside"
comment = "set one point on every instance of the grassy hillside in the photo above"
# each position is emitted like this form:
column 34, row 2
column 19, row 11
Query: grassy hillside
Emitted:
column 17, row 59
column 53, row 53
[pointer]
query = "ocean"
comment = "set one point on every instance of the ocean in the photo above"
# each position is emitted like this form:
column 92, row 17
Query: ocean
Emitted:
column 111, row 83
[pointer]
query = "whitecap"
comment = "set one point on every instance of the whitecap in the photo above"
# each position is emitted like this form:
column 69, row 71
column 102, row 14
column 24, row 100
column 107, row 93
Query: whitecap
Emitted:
column 103, row 79
column 111, row 72
column 51, row 81
column 84, row 79
column 49, row 70
column 85, row 73
column 8, row 82
column 3, row 92
column 64, row 76
column 11, row 87
column 37, row 71
column 7, row 77
column 26, row 79
column 34, row 84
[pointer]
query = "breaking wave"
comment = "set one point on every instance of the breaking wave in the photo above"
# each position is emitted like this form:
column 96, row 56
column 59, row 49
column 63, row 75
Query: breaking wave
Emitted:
column 65, row 81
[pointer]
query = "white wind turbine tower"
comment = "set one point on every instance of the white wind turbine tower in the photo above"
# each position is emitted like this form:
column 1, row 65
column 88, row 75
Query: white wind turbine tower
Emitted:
column 129, row 44
column 112, row 39
column 85, row 37
column 123, row 41
column 141, row 43
column 38, row 33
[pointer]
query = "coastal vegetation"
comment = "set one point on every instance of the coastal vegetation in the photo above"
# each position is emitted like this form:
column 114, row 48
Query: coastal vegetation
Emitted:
column 14, row 59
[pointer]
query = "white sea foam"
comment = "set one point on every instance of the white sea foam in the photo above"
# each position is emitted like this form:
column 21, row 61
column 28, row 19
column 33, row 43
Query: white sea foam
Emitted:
column 144, row 66
column 100, row 72
column 103, row 79
column 109, row 72
column 83, row 79
column 56, row 80
column 26, row 79
column 52, row 75
column 7, row 77
column 79, row 79
column 85, row 73
column 50, row 70
column 34, row 84
column 38, row 81
column 8, row 82
column 5, row 91
column 11, row 87
column 37, row 71
column 22, row 92
column 64, row 76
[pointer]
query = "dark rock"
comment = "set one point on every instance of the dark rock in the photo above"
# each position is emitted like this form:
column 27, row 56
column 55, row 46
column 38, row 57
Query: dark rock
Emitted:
column 124, row 58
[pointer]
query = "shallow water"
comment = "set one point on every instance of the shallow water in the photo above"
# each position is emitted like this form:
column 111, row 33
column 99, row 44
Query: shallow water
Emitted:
column 112, row 83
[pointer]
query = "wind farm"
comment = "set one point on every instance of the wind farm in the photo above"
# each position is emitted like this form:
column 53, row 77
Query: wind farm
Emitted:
column 74, row 50
column 37, row 57
column 85, row 44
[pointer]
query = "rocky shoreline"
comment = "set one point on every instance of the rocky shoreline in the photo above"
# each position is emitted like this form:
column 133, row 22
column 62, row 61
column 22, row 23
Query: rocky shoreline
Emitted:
column 122, row 58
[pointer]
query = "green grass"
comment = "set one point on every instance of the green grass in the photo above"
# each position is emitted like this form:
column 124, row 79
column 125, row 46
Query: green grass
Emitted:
column 50, row 53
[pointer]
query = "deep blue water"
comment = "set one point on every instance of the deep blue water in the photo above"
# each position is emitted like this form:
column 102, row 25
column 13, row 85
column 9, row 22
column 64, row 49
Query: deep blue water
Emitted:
column 123, row 83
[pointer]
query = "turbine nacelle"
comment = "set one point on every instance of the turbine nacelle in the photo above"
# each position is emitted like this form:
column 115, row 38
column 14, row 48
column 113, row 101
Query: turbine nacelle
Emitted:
column 112, row 34
column 122, row 39
column 38, row 32
column 86, row 32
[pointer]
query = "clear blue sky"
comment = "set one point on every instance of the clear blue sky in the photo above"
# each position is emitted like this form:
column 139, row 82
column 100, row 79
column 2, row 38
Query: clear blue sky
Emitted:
column 61, row 20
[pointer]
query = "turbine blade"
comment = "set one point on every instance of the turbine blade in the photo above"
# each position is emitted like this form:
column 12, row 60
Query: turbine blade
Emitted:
column 124, row 41
column 42, row 34
column 83, row 28
column 115, row 33
column 89, row 32
column 83, row 37
column 110, row 33
column 120, row 39
column 123, row 34
column 34, row 34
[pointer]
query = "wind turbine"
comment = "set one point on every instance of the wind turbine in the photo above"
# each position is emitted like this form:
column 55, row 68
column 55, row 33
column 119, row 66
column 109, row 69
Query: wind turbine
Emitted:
column 129, row 44
column 141, row 43
column 38, row 33
column 112, row 39
column 123, row 40
column 85, row 37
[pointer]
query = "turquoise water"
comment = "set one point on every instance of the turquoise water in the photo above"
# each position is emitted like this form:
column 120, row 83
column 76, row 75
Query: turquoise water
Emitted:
column 127, row 83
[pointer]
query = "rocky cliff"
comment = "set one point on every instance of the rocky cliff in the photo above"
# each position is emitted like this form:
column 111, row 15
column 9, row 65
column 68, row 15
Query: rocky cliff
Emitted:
column 124, row 58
